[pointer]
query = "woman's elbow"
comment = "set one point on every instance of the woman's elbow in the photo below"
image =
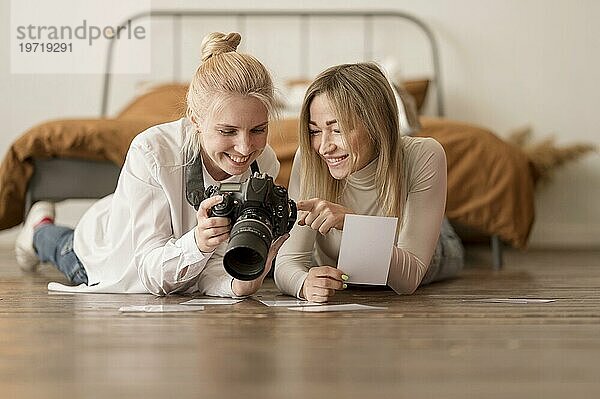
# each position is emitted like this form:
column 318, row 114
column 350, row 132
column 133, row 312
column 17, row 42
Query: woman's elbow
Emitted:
column 404, row 289
column 155, row 289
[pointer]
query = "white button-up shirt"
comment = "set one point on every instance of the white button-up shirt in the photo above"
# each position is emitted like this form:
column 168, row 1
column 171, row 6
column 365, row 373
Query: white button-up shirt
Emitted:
column 141, row 238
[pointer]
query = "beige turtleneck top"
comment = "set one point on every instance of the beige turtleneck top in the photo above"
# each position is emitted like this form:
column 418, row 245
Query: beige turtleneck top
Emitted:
column 425, row 184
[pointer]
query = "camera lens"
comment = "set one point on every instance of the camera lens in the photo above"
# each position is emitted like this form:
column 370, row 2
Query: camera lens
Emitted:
column 249, row 243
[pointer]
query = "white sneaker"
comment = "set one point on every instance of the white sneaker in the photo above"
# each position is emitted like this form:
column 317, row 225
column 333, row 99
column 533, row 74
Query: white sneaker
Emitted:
column 25, row 253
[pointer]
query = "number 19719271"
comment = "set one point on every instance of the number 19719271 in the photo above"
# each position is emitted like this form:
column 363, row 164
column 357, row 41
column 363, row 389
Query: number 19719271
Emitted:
column 46, row 47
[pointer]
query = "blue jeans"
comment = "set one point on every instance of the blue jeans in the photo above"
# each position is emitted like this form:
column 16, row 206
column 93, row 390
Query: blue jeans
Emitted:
column 448, row 258
column 54, row 244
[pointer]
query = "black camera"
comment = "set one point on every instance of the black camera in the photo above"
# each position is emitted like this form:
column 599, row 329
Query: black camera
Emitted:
column 260, row 211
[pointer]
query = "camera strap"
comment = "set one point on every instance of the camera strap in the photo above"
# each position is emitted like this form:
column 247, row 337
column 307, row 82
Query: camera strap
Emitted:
column 194, row 181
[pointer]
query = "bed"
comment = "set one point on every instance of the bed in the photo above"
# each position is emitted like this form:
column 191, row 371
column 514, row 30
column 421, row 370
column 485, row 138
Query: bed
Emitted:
column 490, row 187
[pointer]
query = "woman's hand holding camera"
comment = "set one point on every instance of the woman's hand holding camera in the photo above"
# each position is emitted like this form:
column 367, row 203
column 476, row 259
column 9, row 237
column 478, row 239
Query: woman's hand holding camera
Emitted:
column 211, row 231
column 322, row 282
column 321, row 215
column 244, row 288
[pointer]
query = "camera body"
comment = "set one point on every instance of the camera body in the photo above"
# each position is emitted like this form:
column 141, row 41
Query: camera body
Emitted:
column 260, row 211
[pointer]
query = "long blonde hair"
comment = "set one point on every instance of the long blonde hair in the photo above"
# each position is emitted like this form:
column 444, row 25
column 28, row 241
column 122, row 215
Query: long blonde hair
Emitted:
column 358, row 94
column 223, row 72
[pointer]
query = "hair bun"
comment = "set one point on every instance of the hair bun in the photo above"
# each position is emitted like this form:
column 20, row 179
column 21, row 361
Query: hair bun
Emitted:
column 218, row 43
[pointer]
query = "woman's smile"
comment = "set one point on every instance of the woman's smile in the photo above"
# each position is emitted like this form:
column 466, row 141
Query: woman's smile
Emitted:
column 335, row 161
column 238, row 160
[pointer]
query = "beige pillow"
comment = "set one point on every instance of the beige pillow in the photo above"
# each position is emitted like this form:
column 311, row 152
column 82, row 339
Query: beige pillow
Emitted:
column 418, row 89
column 162, row 103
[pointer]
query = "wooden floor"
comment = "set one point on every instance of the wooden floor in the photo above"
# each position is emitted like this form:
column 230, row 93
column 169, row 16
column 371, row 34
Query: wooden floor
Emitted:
column 433, row 344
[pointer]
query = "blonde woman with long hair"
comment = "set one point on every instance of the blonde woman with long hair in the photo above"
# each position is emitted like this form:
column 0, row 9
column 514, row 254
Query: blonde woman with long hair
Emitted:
column 353, row 160
column 147, row 236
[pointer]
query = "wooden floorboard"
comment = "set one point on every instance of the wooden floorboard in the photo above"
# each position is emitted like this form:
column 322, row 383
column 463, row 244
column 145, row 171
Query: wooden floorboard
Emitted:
column 434, row 343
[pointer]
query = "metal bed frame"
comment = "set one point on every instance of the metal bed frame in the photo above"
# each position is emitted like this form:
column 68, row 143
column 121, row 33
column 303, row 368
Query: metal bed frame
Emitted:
column 58, row 179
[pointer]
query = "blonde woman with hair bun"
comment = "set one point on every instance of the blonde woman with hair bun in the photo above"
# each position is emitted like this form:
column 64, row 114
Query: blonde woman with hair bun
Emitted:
column 147, row 237
column 353, row 160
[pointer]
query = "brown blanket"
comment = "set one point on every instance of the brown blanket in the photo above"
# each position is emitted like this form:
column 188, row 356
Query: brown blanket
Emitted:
column 490, row 185
column 96, row 139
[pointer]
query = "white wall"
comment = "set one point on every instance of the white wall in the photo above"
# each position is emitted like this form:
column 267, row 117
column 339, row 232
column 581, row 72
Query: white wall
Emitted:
column 506, row 63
